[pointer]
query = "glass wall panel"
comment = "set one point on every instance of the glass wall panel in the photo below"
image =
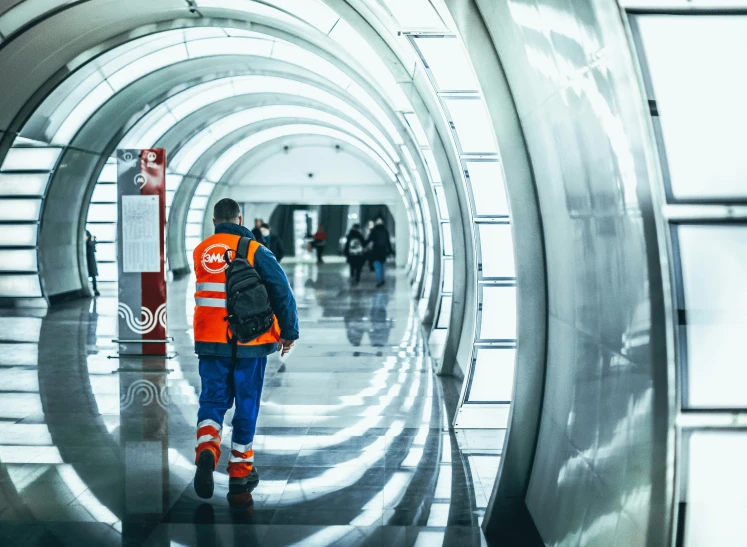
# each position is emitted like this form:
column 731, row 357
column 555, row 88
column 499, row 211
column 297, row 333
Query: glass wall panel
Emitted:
column 102, row 212
column 84, row 110
column 109, row 172
column 194, row 230
column 472, row 125
column 716, row 483
column 700, row 99
column 103, row 232
column 417, row 128
column 444, row 315
column 20, row 209
column 488, row 188
column 104, row 193
column 430, row 162
column 498, row 315
column 108, row 271
column 20, row 260
column 18, row 235
column 446, row 232
column 496, row 250
column 713, row 260
column 415, row 13
column 31, row 159
column 195, row 216
column 443, row 209
column 23, row 184
column 493, row 377
column 17, row 286
column 448, row 284
column 448, row 62
column 106, row 252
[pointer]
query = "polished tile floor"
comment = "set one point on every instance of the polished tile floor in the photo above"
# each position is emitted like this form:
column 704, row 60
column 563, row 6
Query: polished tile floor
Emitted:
column 353, row 445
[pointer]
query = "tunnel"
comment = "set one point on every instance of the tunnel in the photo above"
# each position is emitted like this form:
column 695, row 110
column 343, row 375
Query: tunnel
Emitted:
column 546, row 360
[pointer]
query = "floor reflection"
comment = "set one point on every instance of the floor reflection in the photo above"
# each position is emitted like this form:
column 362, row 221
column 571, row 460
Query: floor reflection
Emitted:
column 352, row 442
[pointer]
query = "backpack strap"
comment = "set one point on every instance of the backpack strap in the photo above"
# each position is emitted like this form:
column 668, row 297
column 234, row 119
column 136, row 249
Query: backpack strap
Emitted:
column 252, row 251
column 243, row 249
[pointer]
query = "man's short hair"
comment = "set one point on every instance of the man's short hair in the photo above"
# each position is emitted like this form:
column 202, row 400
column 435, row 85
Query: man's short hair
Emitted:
column 226, row 211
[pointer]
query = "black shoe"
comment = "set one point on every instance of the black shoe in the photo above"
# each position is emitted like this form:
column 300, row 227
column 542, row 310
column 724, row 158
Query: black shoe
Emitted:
column 380, row 284
column 204, row 485
column 96, row 293
column 238, row 485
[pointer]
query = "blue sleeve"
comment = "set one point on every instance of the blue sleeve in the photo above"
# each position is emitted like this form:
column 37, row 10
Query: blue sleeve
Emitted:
column 281, row 295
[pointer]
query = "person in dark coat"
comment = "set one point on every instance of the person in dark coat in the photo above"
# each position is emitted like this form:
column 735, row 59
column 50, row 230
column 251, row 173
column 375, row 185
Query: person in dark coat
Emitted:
column 320, row 241
column 257, row 230
column 381, row 247
column 355, row 249
column 273, row 242
column 93, row 269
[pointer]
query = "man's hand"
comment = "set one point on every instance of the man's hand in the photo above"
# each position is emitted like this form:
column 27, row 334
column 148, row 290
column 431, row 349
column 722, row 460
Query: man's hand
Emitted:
column 285, row 346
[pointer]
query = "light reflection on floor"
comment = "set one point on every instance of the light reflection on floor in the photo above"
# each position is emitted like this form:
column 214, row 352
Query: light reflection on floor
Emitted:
column 353, row 444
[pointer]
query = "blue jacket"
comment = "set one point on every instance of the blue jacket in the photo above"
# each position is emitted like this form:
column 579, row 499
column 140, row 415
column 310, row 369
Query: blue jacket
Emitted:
column 281, row 297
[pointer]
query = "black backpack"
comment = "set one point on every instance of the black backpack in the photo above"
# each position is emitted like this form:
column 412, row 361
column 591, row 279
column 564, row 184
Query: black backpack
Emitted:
column 249, row 310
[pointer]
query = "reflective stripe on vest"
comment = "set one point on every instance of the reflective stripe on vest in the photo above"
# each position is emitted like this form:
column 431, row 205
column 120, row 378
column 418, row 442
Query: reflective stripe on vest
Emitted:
column 210, row 323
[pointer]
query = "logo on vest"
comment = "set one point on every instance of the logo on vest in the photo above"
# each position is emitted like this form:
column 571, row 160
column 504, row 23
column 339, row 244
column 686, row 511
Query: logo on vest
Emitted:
column 213, row 260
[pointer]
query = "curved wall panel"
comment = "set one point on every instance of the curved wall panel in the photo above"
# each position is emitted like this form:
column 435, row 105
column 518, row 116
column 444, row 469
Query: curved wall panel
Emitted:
column 600, row 469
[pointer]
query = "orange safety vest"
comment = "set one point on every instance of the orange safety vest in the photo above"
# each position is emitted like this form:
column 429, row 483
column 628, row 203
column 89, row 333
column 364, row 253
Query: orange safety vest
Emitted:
column 210, row 323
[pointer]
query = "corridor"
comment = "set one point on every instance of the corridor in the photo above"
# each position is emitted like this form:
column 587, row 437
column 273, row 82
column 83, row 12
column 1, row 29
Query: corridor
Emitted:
column 353, row 445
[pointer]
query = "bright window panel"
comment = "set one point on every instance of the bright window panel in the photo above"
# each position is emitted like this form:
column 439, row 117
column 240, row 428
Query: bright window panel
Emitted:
column 20, row 209
column 714, row 262
column 312, row 11
column 448, row 284
column 102, row 212
column 150, row 130
column 173, row 182
column 109, row 173
column 146, row 65
column 18, row 235
column 448, row 62
column 417, row 128
column 80, row 114
column 493, row 375
column 415, row 14
column 408, row 157
column 446, row 232
column 496, row 250
column 169, row 198
column 20, row 260
column 443, row 208
column 700, row 97
column 23, row 184
column 103, row 232
column 444, row 315
column 291, row 53
column 716, row 496
column 31, row 159
column 498, row 317
column 204, row 188
column 199, row 202
column 488, row 188
column 194, row 230
column 106, row 252
column 20, row 286
column 108, row 271
column 104, row 193
column 195, row 217
column 472, row 123
column 229, row 46
column 346, row 36
column 430, row 162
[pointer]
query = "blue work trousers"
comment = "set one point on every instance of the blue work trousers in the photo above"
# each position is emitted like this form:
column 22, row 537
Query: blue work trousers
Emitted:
column 380, row 269
column 224, row 382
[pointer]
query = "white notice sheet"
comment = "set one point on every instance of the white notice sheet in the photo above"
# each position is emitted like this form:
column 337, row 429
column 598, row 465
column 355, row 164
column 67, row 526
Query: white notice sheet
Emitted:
column 141, row 244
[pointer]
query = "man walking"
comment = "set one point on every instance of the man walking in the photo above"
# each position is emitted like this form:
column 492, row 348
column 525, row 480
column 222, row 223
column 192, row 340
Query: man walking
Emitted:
column 233, row 373
column 381, row 248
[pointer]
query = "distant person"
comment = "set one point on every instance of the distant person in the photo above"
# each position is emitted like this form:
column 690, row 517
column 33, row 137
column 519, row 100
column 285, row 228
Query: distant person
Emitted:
column 93, row 269
column 257, row 230
column 232, row 371
column 355, row 248
column 369, row 258
column 381, row 248
column 320, row 242
column 273, row 242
